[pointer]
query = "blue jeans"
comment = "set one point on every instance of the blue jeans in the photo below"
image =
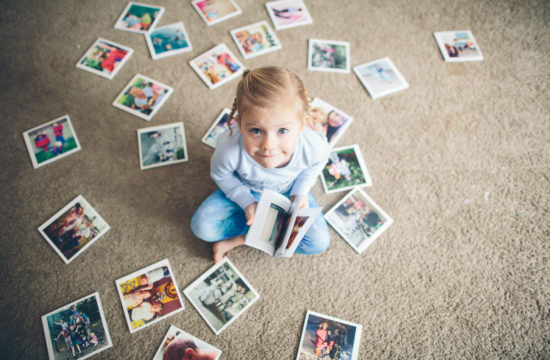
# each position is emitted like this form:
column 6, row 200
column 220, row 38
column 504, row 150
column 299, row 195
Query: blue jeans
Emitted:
column 219, row 218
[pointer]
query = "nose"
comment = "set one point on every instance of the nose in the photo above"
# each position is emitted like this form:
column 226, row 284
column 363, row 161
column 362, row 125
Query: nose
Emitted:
column 268, row 142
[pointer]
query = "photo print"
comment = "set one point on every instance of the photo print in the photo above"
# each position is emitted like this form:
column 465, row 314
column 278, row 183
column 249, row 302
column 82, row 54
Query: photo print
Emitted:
column 73, row 229
column 255, row 39
column 218, row 127
column 139, row 18
column 215, row 11
column 177, row 342
column 51, row 141
column 345, row 169
column 217, row 66
column 168, row 40
column 457, row 46
column 328, row 55
column 358, row 219
column 326, row 337
column 380, row 77
column 143, row 97
column 221, row 295
column 162, row 145
column 149, row 295
column 105, row 58
column 287, row 14
column 77, row 330
column 328, row 120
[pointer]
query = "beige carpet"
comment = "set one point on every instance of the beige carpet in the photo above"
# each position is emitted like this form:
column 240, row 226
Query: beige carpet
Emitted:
column 458, row 275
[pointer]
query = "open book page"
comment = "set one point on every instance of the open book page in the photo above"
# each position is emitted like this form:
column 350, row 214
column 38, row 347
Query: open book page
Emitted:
column 299, row 223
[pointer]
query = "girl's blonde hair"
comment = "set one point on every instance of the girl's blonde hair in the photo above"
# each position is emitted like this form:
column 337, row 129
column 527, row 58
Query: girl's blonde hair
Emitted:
column 263, row 87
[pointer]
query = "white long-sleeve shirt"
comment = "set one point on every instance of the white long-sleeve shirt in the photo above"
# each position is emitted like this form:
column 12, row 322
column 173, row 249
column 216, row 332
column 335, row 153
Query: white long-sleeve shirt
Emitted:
column 236, row 173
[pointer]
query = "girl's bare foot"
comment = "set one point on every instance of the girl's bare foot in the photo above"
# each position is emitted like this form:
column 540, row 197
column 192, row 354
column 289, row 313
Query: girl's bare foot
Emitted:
column 220, row 248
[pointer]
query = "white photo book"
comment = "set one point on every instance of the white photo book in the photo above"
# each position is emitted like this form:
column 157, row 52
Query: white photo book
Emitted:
column 279, row 225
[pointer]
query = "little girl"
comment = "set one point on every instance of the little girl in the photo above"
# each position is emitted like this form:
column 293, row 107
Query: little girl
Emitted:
column 270, row 148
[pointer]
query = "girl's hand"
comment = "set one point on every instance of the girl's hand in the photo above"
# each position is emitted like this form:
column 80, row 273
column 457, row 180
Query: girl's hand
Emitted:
column 304, row 203
column 250, row 212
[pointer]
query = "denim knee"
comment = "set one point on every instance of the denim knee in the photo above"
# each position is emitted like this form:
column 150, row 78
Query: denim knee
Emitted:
column 203, row 229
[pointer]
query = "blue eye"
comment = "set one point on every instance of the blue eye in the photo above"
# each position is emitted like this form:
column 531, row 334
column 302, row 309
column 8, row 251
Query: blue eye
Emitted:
column 255, row 131
column 283, row 131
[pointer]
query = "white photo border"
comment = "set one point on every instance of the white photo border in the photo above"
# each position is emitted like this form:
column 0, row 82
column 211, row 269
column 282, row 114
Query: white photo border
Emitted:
column 214, row 124
column 405, row 83
column 162, row 127
column 257, row 53
column 359, row 155
column 100, row 73
column 310, row 67
column 165, row 54
column 269, row 7
column 194, row 338
column 198, row 71
column 118, row 26
column 438, row 38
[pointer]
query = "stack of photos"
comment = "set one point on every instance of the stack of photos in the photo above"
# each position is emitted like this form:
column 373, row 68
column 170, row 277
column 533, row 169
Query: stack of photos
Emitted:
column 162, row 145
column 456, row 46
column 149, row 295
column 219, row 126
column 139, row 18
column 328, row 55
column 168, row 40
column 221, row 295
column 326, row 337
column 344, row 170
column 143, row 97
column 105, row 58
column 380, row 77
column 217, row 66
column 328, row 120
column 51, row 141
column 215, row 11
column 178, row 342
column 77, row 330
column 255, row 39
column 358, row 219
column 288, row 13
column 72, row 229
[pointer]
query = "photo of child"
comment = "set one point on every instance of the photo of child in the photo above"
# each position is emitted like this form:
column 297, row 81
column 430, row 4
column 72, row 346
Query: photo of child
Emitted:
column 219, row 126
column 105, row 58
column 215, row 11
column 77, row 330
column 139, row 18
column 358, row 219
column 221, row 295
column 458, row 46
column 73, row 229
column 328, row 55
column 325, row 337
column 143, row 97
column 288, row 13
column 380, row 77
column 149, row 295
column 327, row 120
column 162, row 145
column 345, row 169
column 178, row 342
column 51, row 141
column 217, row 66
column 256, row 39
column 168, row 40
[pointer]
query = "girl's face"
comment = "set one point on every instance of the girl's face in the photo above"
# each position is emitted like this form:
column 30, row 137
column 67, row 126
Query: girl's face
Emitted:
column 270, row 134
column 335, row 119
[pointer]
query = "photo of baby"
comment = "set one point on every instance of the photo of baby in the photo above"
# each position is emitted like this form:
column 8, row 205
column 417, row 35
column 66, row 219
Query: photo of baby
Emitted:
column 168, row 40
column 139, row 18
column 149, row 295
column 328, row 120
column 105, row 58
column 73, row 229
column 328, row 55
column 162, row 145
column 217, row 66
column 345, row 169
column 256, row 39
column 456, row 46
column 380, row 77
column 178, row 342
column 286, row 14
column 221, row 295
column 215, row 11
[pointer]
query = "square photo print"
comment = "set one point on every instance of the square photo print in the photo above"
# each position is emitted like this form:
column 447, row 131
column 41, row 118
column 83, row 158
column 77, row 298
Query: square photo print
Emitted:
column 139, row 18
column 215, row 11
column 328, row 55
column 380, row 77
column 288, row 13
column 168, row 40
column 219, row 126
column 221, row 295
column 143, row 97
column 149, row 295
column 345, row 169
column 177, row 343
column 162, row 145
column 458, row 45
column 217, row 66
column 72, row 229
column 105, row 58
column 51, row 141
column 328, row 120
column 326, row 337
column 77, row 330
column 256, row 39
column 358, row 219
